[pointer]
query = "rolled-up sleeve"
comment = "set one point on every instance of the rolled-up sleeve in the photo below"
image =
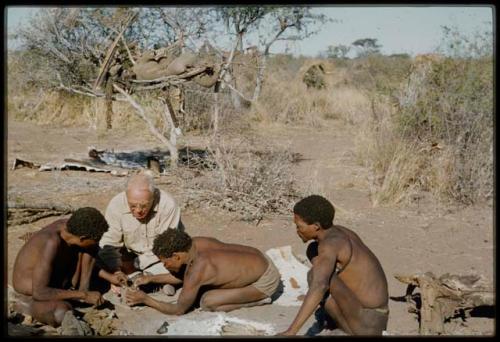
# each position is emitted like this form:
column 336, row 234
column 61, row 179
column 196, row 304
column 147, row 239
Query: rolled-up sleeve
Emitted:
column 114, row 235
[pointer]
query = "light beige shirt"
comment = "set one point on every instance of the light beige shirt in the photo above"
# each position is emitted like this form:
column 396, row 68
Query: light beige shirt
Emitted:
column 126, row 230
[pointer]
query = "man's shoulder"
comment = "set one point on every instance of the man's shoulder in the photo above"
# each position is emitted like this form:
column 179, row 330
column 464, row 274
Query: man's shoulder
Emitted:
column 202, row 263
column 49, row 236
column 119, row 196
column 166, row 199
column 333, row 239
column 117, row 202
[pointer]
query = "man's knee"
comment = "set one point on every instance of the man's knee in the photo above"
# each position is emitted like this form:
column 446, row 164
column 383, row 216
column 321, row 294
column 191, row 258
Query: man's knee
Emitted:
column 372, row 322
column 206, row 303
column 60, row 311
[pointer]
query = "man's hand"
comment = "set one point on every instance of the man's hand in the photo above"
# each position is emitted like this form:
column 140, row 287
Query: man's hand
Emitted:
column 134, row 297
column 142, row 280
column 93, row 297
column 118, row 278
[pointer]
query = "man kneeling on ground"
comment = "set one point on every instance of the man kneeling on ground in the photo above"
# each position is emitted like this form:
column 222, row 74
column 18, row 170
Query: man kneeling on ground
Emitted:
column 55, row 261
column 237, row 276
column 346, row 278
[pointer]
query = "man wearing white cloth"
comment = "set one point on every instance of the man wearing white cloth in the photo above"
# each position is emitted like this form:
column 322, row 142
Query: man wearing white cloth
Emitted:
column 136, row 217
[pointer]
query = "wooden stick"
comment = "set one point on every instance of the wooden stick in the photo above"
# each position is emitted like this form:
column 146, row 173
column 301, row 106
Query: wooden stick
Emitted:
column 111, row 52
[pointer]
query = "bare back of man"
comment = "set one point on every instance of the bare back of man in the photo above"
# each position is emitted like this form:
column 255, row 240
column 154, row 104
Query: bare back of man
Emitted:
column 358, row 287
column 223, row 276
column 230, row 271
column 45, row 267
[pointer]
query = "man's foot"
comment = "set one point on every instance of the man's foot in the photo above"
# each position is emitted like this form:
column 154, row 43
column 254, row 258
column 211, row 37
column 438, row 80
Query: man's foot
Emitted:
column 266, row 300
column 22, row 306
column 72, row 326
column 334, row 332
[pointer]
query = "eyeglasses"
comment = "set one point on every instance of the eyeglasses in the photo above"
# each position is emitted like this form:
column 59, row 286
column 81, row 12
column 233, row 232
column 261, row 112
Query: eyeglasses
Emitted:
column 139, row 206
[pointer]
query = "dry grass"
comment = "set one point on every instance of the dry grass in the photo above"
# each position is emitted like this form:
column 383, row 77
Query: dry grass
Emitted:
column 438, row 139
column 287, row 100
column 403, row 168
column 246, row 179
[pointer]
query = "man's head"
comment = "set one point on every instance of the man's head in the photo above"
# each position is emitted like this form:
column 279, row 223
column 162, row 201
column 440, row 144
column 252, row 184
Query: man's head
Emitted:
column 311, row 214
column 86, row 226
column 140, row 195
column 172, row 247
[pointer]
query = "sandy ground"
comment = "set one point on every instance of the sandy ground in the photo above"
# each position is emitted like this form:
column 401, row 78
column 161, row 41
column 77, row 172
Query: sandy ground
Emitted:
column 406, row 239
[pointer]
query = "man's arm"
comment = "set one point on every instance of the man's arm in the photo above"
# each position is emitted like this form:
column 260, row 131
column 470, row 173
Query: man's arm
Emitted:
column 117, row 278
column 114, row 235
column 320, row 273
column 166, row 278
column 111, row 241
column 170, row 214
column 193, row 280
column 42, row 274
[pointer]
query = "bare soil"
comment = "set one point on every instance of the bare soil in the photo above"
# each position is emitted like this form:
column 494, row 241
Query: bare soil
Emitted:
column 422, row 237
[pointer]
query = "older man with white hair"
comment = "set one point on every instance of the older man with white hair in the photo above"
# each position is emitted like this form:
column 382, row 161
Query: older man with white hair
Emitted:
column 136, row 217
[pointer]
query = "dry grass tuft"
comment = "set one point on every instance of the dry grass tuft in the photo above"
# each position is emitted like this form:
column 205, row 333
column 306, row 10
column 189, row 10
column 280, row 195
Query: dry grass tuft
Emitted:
column 248, row 180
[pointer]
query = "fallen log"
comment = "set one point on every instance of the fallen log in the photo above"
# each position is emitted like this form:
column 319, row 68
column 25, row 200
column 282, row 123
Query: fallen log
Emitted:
column 24, row 163
column 21, row 213
column 34, row 206
column 444, row 297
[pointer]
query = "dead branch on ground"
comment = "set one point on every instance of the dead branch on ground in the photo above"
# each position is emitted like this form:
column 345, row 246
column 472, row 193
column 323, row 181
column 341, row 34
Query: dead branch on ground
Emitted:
column 22, row 213
column 442, row 298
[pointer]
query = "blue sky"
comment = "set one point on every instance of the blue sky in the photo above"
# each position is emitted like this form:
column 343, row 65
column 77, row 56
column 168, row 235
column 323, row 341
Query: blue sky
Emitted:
column 401, row 29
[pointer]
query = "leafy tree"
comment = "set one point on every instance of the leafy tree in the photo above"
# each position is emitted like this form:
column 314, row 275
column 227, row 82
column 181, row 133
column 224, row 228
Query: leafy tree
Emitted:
column 338, row 51
column 366, row 46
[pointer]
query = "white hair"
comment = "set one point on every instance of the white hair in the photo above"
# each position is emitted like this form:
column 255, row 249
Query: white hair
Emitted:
column 145, row 177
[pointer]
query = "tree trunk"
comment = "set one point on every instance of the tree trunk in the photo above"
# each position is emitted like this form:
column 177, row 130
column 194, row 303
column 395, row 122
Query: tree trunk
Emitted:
column 218, row 85
column 109, row 102
column 260, row 77
column 151, row 126
column 215, row 117
column 169, row 116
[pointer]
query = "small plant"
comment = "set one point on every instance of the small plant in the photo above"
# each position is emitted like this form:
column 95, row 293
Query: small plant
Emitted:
column 439, row 137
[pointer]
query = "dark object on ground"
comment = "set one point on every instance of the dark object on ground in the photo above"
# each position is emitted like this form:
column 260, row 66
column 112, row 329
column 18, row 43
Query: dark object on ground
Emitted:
column 22, row 330
column 72, row 326
column 163, row 329
column 155, row 159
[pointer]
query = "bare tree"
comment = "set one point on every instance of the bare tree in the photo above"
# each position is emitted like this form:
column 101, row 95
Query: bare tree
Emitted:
column 79, row 48
column 286, row 24
column 271, row 24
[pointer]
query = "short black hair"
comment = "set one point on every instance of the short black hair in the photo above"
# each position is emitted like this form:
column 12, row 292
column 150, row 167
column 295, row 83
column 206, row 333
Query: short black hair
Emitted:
column 314, row 209
column 87, row 222
column 171, row 241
